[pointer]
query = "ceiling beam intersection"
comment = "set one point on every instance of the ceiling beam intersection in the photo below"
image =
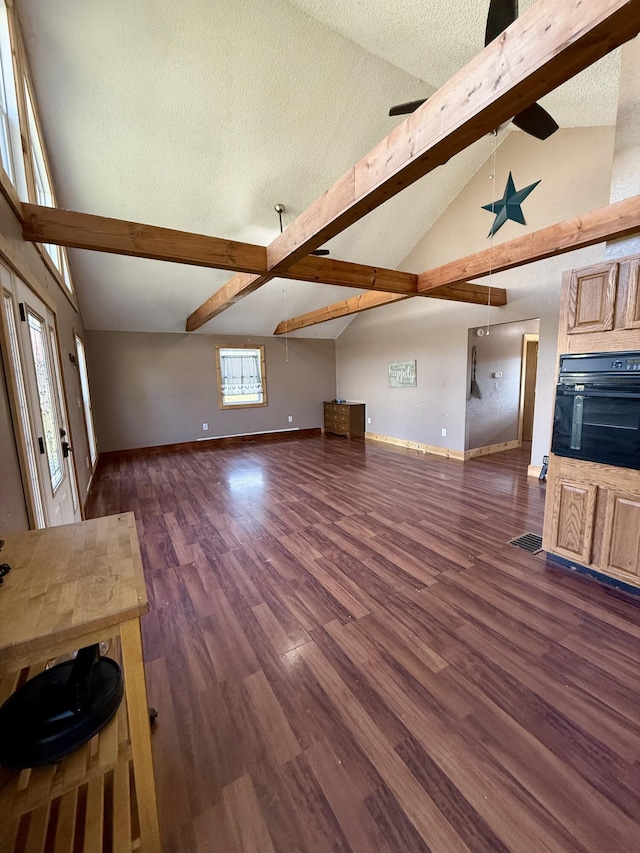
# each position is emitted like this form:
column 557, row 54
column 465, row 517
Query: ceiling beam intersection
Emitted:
column 547, row 45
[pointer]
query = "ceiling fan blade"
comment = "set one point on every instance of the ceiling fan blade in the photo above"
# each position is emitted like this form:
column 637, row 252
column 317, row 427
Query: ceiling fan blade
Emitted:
column 320, row 252
column 536, row 121
column 502, row 13
column 406, row 109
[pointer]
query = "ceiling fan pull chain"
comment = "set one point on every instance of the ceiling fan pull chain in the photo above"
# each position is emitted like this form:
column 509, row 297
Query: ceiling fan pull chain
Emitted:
column 493, row 203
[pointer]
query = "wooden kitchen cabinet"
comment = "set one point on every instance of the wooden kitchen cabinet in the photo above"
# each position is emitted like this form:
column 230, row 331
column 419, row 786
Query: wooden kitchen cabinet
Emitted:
column 600, row 310
column 592, row 299
column 621, row 537
column 592, row 517
column 344, row 419
column 573, row 517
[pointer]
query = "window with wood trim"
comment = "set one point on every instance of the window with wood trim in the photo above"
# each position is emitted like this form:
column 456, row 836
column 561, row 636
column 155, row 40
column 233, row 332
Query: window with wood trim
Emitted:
column 242, row 377
column 10, row 141
column 43, row 189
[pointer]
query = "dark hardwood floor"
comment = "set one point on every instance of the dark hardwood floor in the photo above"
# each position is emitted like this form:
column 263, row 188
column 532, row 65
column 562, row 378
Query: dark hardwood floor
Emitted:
column 347, row 655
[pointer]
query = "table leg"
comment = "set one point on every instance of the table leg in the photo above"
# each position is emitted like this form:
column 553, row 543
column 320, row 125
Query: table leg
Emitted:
column 139, row 731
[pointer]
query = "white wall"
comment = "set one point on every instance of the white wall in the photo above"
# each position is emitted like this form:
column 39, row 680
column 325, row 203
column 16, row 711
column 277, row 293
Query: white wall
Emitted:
column 574, row 166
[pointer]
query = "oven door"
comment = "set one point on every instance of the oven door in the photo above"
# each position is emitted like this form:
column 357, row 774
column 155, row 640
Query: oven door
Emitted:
column 598, row 425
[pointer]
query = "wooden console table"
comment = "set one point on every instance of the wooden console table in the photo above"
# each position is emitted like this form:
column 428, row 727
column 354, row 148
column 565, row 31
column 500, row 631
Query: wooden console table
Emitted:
column 70, row 587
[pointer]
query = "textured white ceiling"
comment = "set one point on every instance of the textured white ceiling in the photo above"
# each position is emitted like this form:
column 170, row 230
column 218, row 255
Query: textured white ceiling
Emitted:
column 202, row 114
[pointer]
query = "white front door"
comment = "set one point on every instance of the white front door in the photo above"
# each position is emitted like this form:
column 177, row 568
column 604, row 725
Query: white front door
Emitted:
column 36, row 369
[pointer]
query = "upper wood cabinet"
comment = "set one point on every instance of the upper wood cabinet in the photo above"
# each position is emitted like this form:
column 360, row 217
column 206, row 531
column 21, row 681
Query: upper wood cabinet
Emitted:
column 632, row 314
column 592, row 299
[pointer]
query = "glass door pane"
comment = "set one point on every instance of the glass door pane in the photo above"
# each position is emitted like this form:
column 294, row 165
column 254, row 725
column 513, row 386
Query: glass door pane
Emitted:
column 46, row 391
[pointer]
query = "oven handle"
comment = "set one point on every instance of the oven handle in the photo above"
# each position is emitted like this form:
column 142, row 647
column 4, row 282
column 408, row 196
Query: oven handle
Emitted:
column 612, row 393
column 576, row 422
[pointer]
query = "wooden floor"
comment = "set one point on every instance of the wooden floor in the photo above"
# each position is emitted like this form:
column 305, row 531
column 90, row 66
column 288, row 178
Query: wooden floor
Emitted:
column 347, row 655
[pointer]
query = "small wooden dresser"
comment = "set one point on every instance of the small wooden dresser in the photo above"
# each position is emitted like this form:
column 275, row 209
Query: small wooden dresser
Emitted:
column 344, row 419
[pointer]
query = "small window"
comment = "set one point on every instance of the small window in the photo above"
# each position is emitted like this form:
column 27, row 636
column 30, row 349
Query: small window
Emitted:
column 10, row 139
column 242, row 379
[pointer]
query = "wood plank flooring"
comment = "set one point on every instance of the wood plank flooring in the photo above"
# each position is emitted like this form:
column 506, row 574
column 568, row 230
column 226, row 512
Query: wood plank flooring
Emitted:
column 347, row 655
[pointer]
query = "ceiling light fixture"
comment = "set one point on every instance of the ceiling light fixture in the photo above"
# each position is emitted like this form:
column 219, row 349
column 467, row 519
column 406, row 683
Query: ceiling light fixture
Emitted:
column 280, row 209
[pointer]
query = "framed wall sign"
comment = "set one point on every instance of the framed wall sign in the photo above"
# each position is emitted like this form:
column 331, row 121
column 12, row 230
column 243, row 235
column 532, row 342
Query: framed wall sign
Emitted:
column 402, row 374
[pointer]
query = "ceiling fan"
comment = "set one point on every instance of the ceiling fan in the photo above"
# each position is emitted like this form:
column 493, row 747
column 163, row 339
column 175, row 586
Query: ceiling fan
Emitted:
column 280, row 209
column 534, row 119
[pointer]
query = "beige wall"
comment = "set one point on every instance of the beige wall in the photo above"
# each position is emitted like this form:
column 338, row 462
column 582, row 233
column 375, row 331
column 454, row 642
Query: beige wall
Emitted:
column 575, row 171
column 625, row 180
column 25, row 256
column 155, row 388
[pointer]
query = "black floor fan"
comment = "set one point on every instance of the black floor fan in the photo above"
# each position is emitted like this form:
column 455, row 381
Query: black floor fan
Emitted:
column 60, row 709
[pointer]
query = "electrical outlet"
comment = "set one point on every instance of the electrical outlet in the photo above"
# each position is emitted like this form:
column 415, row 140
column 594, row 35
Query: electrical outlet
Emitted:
column 290, row 419
column 205, row 427
column 444, row 432
column 368, row 420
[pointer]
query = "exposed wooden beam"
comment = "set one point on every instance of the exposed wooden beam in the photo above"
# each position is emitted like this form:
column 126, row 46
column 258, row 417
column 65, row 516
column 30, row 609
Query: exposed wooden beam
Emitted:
column 330, row 271
column 235, row 289
column 117, row 236
column 547, row 45
column 353, row 305
column 616, row 220
column 474, row 293
column 324, row 270
column 120, row 237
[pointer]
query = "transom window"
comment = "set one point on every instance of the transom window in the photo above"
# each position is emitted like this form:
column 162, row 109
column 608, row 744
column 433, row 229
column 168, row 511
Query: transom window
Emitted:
column 242, row 380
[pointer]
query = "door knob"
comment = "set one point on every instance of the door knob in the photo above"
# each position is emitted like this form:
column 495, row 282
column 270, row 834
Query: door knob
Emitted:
column 66, row 449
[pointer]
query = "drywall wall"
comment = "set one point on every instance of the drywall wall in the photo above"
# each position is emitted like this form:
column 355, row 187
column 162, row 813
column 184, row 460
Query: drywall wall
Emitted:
column 493, row 417
column 159, row 388
column 574, row 167
column 625, row 179
column 24, row 256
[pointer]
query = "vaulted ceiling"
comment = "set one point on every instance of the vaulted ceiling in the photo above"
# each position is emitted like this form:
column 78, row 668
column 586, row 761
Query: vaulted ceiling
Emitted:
column 201, row 115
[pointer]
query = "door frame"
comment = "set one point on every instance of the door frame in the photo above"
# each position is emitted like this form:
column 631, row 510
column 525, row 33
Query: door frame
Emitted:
column 527, row 338
column 29, row 487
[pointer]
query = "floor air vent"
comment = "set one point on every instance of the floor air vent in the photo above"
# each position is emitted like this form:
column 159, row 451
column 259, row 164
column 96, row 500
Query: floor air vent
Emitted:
column 530, row 542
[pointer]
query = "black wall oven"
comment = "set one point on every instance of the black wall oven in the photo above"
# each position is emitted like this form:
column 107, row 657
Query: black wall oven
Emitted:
column 597, row 412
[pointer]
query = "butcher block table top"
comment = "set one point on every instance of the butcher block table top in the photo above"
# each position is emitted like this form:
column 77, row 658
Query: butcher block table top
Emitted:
column 69, row 582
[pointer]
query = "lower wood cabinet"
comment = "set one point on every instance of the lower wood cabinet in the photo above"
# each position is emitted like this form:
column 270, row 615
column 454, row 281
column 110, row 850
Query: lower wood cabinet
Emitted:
column 621, row 539
column 344, row 419
column 572, row 531
column 592, row 517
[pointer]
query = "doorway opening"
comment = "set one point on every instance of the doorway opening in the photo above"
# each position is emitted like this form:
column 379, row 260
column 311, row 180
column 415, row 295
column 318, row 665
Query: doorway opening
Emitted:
column 528, row 375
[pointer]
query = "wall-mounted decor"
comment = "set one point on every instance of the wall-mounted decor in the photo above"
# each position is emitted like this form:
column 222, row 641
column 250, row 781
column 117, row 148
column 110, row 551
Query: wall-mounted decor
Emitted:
column 508, row 207
column 402, row 374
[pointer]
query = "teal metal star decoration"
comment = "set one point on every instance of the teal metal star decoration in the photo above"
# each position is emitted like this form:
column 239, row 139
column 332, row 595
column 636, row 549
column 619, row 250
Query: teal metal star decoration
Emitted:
column 508, row 207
